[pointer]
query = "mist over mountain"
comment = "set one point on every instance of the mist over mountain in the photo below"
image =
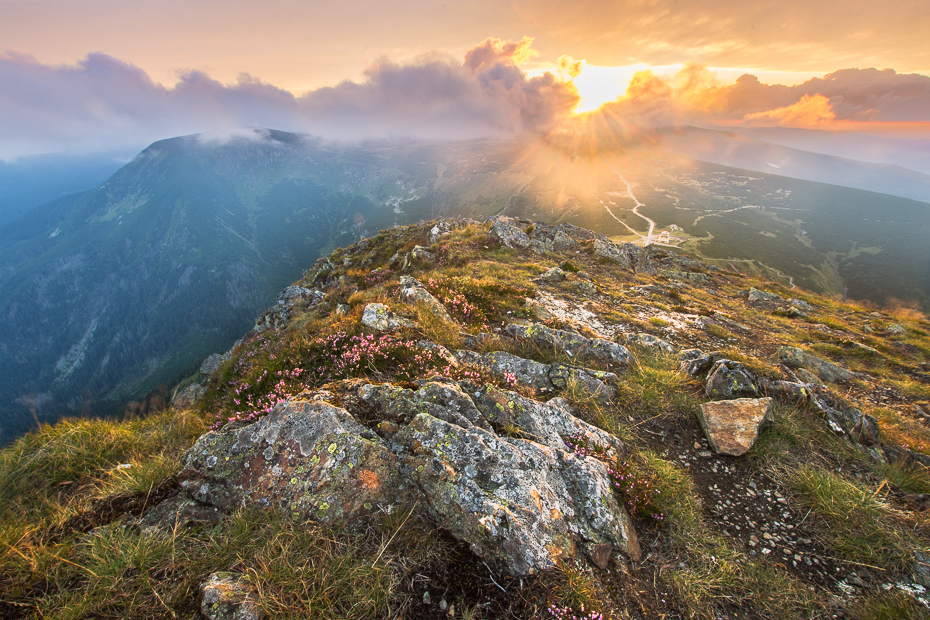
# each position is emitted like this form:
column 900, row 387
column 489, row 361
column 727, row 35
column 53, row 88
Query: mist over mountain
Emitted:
column 110, row 293
column 739, row 151
column 28, row 182
column 907, row 151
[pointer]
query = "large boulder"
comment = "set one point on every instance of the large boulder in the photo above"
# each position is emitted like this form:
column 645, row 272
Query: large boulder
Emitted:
column 732, row 426
column 309, row 457
column 490, row 467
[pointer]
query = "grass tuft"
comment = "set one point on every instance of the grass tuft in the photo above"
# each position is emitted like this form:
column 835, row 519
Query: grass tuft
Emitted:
column 856, row 524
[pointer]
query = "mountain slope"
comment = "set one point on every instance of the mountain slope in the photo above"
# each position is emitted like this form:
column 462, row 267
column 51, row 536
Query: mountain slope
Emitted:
column 111, row 293
column 738, row 151
column 507, row 420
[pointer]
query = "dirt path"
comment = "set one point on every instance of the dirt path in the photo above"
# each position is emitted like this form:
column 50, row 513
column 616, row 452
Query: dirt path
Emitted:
column 629, row 190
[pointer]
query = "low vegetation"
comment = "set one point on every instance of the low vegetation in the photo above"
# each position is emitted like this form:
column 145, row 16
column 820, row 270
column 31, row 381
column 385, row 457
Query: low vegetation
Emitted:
column 807, row 525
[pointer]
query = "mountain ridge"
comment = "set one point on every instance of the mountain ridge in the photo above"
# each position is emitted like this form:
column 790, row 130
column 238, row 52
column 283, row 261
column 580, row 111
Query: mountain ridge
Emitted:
column 432, row 410
column 113, row 293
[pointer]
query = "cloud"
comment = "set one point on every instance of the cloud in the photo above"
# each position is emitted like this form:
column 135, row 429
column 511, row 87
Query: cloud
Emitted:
column 105, row 103
column 693, row 95
column 808, row 111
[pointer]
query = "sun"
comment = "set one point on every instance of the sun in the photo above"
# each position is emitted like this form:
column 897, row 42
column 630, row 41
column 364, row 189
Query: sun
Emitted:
column 599, row 85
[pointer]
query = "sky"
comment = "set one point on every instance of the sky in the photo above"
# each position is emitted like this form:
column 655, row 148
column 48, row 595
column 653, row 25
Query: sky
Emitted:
column 85, row 75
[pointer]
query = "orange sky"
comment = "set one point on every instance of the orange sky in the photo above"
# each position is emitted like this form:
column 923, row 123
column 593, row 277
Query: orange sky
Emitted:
column 299, row 45
column 109, row 72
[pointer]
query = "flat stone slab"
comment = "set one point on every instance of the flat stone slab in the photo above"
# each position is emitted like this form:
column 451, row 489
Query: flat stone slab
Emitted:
column 733, row 426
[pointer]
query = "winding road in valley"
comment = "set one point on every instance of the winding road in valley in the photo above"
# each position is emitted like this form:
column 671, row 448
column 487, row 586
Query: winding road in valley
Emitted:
column 629, row 190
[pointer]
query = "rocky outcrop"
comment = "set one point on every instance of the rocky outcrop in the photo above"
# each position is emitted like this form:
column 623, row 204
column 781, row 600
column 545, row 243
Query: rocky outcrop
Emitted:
column 650, row 342
column 413, row 291
column 574, row 345
column 504, row 231
column 729, row 379
column 538, row 376
column 763, row 296
column 228, row 596
column 380, row 318
column 489, row 466
column 279, row 314
column 845, row 420
column 793, row 357
column 732, row 426
column 625, row 255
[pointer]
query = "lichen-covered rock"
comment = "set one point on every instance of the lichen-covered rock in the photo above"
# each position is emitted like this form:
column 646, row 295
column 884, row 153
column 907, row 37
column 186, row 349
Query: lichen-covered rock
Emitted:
column 553, row 275
column 841, row 417
column 729, row 379
column 793, row 357
column 379, row 317
column 422, row 254
column 210, row 364
column 520, row 504
column 732, row 426
column 280, row 313
column 522, row 501
column 309, row 458
column 508, row 235
column 539, row 376
column 228, row 596
column 763, row 296
column 644, row 265
column 650, row 341
column 575, row 345
column 188, row 396
column 437, row 232
column 695, row 362
column 797, row 393
column 623, row 256
column 413, row 290
column 895, row 330
column 546, row 423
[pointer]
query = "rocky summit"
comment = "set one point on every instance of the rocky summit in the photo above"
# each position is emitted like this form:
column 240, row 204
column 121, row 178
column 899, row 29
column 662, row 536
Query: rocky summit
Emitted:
column 502, row 419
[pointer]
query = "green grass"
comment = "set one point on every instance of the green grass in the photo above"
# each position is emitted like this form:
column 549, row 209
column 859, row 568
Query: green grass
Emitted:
column 655, row 385
column 794, row 437
column 856, row 524
column 40, row 470
column 895, row 605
